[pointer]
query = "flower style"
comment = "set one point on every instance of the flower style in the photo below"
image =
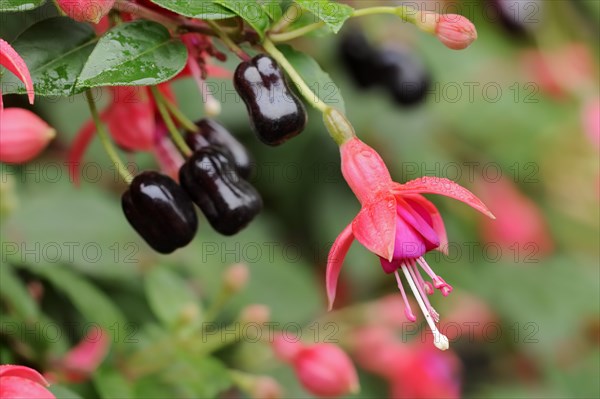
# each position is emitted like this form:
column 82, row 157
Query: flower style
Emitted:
column 22, row 382
column 398, row 224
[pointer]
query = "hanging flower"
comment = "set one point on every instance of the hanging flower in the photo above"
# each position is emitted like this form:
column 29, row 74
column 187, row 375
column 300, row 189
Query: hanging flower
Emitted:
column 398, row 224
column 22, row 382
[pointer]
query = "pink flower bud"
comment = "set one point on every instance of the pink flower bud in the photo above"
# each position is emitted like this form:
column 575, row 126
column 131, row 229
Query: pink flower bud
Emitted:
column 286, row 348
column 258, row 314
column 455, row 31
column 86, row 10
column 326, row 371
column 22, row 382
column 266, row 388
column 236, row 277
column 23, row 135
column 84, row 358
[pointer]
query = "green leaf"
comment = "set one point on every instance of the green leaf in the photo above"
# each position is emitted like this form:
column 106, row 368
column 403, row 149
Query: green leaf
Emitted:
column 201, row 9
column 332, row 13
column 111, row 384
column 14, row 292
column 170, row 297
column 63, row 393
column 55, row 51
column 318, row 80
column 19, row 5
column 272, row 8
column 92, row 303
column 134, row 54
column 205, row 377
column 251, row 12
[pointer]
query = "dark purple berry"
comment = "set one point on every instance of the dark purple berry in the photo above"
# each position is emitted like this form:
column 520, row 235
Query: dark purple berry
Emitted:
column 227, row 200
column 358, row 56
column 160, row 211
column 516, row 16
column 403, row 75
column 276, row 114
column 213, row 133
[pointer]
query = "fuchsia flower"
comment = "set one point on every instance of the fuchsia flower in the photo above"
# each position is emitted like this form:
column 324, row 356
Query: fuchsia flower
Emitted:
column 323, row 369
column 396, row 223
column 23, row 135
column 14, row 63
column 83, row 359
column 22, row 382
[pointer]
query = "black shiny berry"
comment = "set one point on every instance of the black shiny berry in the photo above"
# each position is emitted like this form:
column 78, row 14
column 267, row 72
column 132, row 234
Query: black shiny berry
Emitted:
column 276, row 114
column 213, row 133
column 227, row 200
column 357, row 56
column 160, row 211
column 403, row 75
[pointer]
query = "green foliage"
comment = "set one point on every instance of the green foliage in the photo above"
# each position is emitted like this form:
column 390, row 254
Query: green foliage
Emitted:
column 20, row 5
column 138, row 53
column 67, row 45
column 319, row 80
column 202, row 9
column 332, row 13
column 251, row 12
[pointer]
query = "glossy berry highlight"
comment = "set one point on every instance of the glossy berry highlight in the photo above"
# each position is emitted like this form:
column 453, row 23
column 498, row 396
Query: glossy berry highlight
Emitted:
column 160, row 211
column 213, row 133
column 227, row 200
column 276, row 114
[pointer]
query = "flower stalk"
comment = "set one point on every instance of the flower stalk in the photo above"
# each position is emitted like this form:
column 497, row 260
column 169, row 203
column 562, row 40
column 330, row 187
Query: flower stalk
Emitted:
column 105, row 139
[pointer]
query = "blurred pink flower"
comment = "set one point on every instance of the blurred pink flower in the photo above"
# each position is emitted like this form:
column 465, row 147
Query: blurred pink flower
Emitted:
column 323, row 370
column 413, row 370
column 396, row 223
column 14, row 63
column 83, row 359
column 591, row 121
column 468, row 317
column 521, row 230
column 23, row 135
column 560, row 71
column 429, row 374
column 20, row 382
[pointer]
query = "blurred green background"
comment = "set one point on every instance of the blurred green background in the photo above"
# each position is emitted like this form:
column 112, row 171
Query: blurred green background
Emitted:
column 546, row 300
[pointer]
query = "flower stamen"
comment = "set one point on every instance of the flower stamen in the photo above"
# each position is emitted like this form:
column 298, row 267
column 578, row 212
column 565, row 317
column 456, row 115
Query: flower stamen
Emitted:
column 439, row 340
column 407, row 310
column 438, row 282
column 420, row 285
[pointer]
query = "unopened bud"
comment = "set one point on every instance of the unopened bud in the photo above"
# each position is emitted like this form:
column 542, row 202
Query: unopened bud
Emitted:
column 259, row 314
column 454, row 31
column 325, row 370
column 23, row 135
column 236, row 277
column 265, row 388
column 86, row 10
